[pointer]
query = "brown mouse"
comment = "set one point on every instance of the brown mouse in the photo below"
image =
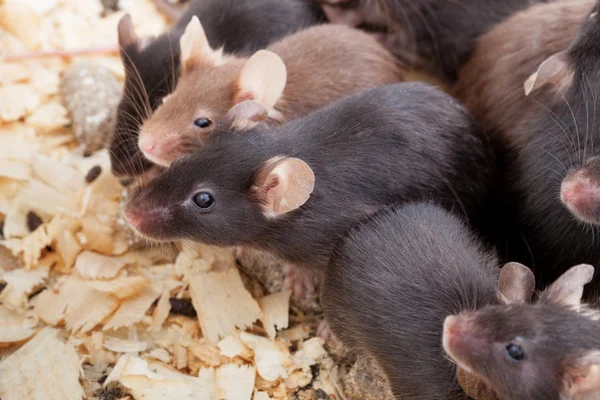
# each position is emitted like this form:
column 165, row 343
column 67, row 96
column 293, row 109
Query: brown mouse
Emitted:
column 392, row 281
column 297, row 75
column 152, row 65
column 546, row 350
column 490, row 84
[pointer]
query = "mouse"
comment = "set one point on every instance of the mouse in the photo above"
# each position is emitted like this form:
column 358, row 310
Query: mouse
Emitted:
column 560, row 139
column 546, row 349
column 292, row 190
column 491, row 82
column 433, row 35
column 152, row 65
column 394, row 278
column 299, row 74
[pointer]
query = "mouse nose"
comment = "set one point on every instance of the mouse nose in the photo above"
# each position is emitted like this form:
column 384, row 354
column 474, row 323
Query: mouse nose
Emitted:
column 147, row 144
column 579, row 193
column 132, row 217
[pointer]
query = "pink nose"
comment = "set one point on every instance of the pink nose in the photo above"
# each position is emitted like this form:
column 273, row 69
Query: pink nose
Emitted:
column 576, row 193
column 133, row 217
column 147, row 144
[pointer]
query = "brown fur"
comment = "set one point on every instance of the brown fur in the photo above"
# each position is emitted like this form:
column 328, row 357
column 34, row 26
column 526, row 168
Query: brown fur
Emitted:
column 323, row 64
column 491, row 83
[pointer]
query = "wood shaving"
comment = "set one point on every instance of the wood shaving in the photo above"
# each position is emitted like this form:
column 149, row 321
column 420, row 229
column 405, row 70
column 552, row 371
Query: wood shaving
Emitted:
column 43, row 369
column 276, row 312
column 15, row 327
column 222, row 303
column 81, row 295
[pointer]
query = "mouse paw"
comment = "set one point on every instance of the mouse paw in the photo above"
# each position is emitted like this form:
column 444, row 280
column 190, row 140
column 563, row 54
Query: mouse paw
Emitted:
column 300, row 281
column 324, row 331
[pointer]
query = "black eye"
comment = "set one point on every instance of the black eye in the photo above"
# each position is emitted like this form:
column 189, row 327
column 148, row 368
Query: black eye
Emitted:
column 202, row 122
column 515, row 352
column 204, row 200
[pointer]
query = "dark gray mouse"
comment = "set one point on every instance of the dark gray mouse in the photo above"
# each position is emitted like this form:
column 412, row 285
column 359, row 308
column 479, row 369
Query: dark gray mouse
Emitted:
column 546, row 350
column 437, row 35
column 560, row 139
column 152, row 67
column 295, row 189
column 394, row 279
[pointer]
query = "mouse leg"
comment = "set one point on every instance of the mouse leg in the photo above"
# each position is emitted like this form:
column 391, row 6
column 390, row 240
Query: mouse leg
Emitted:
column 300, row 281
column 324, row 330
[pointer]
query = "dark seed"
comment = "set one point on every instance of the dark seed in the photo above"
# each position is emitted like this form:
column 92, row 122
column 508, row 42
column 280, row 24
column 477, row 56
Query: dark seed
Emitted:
column 93, row 174
column 110, row 394
column 2, row 286
column 182, row 307
column 1, row 230
column 33, row 221
column 321, row 395
column 102, row 379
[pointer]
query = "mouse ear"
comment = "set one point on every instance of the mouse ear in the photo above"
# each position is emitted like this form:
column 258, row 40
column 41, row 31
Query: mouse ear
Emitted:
column 516, row 283
column 568, row 288
column 245, row 115
column 555, row 70
column 283, row 185
column 262, row 79
column 195, row 49
column 582, row 376
column 126, row 32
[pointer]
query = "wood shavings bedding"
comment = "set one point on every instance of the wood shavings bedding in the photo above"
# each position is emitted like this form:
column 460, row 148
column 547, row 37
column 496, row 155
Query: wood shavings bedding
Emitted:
column 84, row 300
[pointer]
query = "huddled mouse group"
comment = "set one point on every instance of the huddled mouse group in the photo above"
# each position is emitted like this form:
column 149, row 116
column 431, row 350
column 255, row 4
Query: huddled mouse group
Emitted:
column 453, row 235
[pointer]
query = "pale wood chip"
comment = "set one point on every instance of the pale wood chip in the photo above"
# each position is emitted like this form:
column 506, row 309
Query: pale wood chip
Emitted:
column 55, row 200
column 48, row 117
column 15, row 169
column 57, row 174
column 232, row 346
column 122, row 287
column 124, row 346
column 222, row 303
column 236, row 382
column 22, row 21
column 43, row 369
column 161, row 312
column 269, row 357
column 17, row 100
column 15, row 327
column 133, row 309
column 90, row 265
column 276, row 312
column 12, row 73
column 67, row 247
column 262, row 396
column 20, row 283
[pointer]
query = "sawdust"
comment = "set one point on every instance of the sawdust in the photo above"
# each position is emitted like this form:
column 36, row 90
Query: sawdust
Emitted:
column 84, row 309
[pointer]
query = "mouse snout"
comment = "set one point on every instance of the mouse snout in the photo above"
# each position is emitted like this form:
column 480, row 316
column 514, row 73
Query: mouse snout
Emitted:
column 457, row 337
column 161, row 151
column 582, row 197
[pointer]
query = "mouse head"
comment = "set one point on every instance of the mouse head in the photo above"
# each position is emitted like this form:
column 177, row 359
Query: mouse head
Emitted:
column 569, row 139
column 210, row 84
column 580, row 191
column 541, row 350
column 226, row 192
column 150, row 74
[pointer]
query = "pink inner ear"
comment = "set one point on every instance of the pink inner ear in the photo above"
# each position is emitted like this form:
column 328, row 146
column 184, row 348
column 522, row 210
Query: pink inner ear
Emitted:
column 243, row 96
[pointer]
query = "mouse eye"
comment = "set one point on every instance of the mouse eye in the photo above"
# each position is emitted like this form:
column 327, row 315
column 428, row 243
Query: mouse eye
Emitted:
column 202, row 122
column 515, row 352
column 204, row 200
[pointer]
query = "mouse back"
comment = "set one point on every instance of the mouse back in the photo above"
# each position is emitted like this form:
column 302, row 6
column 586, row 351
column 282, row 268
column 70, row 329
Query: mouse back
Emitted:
column 292, row 78
column 490, row 84
column 391, row 282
